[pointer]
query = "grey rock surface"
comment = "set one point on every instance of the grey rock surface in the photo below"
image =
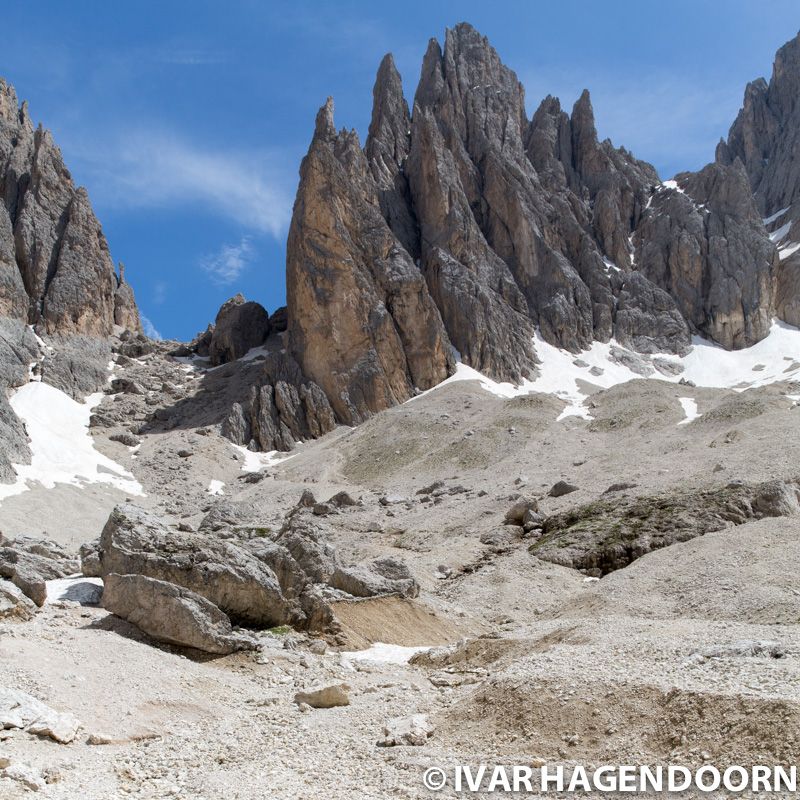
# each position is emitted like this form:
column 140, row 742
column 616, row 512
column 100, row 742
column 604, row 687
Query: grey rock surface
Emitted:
column 135, row 542
column 234, row 561
column 55, row 268
column 171, row 614
column 21, row 710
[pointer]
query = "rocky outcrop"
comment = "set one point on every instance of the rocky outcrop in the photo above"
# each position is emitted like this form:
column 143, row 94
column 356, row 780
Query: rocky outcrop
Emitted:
column 171, row 614
column 280, row 407
column 126, row 313
column 766, row 133
column 235, row 567
column 361, row 322
column 30, row 563
column 55, row 268
column 56, row 275
column 702, row 240
column 240, row 326
column 609, row 534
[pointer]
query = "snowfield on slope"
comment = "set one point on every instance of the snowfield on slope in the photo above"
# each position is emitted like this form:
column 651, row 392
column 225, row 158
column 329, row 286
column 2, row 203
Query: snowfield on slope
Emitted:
column 775, row 358
column 62, row 450
column 255, row 462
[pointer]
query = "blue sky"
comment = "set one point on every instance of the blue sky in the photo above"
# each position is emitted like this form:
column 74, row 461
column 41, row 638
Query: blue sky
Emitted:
column 187, row 121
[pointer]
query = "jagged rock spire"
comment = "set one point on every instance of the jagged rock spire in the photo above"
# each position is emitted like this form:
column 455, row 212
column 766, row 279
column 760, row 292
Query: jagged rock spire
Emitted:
column 362, row 324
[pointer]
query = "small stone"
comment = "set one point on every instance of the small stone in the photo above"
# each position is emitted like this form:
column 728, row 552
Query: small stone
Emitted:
column 561, row 488
column 325, row 696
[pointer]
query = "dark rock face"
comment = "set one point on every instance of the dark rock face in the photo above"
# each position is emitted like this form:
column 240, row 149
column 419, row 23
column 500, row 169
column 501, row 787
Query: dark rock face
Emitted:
column 55, row 268
column 56, row 274
column 766, row 133
column 18, row 349
column 282, row 406
column 490, row 225
column 240, row 326
column 765, row 138
column 705, row 244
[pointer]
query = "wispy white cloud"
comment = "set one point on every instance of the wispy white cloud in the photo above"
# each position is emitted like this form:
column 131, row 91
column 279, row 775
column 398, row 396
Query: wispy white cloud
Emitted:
column 158, row 169
column 227, row 264
column 160, row 292
column 149, row 328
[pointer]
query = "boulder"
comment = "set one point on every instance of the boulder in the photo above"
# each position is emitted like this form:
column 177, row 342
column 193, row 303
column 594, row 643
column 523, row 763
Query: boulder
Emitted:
column 13, row 603
column 325, row 696
column 134, row 542
column 777, row 499
column 253, row 576
column 30, row 777
column 414, row 731
column 379, row 577
column 561, row 488
column 516, row 514
column 171, row 614
column 29, row 571
column 240, row 326
column 21, row 710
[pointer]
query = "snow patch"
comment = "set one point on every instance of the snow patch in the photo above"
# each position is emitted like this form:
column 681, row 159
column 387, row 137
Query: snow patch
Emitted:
column 381, row 653
column 777, row 215
column 780, row 233
column 62, row 451
column 78, row 588
column 788, row 249
column 672, row 185
column 255, row 462
column 254, row 352
column 570, row 376
column 689, row 409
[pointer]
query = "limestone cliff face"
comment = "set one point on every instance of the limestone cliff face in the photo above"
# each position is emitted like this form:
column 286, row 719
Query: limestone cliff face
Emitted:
column 703, row 241
column 56, row 271
column 765, row 139
column 361, row 321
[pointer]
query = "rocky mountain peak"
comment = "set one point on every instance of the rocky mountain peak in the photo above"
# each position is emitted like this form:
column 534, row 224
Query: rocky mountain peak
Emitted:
column 498, row 226
column 324, row 126
column 765, row 138
column 764, row 134
column 56, row 271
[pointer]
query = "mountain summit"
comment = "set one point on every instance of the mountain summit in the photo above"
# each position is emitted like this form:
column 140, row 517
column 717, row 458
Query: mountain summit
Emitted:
column 464, row 224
